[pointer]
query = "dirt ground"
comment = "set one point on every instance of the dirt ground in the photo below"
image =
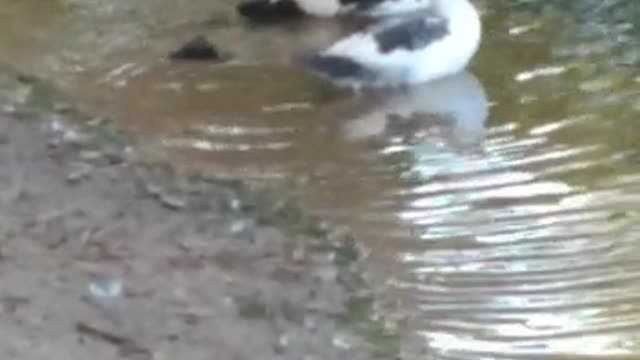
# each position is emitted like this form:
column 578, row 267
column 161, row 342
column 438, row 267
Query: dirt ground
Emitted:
column 104, row 257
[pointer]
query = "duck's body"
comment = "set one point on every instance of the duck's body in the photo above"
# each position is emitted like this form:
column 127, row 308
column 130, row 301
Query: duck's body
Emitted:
column 261, row 10
column 404, row 50
column 371, row 8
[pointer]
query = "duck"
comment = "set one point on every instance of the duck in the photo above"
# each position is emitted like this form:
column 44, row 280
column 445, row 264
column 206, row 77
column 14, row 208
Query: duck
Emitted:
column 276, row 10
column 435, row 40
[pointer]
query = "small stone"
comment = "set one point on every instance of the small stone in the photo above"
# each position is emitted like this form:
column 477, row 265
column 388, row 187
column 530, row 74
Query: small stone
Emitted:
column 310, row 324
column 153, row 189
column 234, row 204
column 80, row 172
column 114, row 157
column 90, row 155
column 62, row 107
column 172, row 202
column 105, row 288
column 281, row 345
column 341, row 342
column 97, row 121
column 239, row 226
column 9, row 109
column 299, row 254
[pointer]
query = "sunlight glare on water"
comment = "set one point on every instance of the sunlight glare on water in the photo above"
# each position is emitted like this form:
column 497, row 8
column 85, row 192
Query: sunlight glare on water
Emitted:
column 502, row 203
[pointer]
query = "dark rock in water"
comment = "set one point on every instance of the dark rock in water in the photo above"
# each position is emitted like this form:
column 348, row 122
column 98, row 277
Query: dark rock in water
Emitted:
column 265, row 11
column 196, row 49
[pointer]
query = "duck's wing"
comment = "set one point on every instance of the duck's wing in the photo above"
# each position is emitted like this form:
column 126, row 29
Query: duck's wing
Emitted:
column 381, row 53
column 412, row 33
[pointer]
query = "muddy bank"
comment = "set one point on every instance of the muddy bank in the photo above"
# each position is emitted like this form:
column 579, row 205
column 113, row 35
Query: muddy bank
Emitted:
column 104, row 256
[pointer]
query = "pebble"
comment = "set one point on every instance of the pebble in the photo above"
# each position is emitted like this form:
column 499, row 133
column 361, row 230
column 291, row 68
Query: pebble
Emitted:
column 172, row 202
column 80, row 172
column 282, row 344
column 341, row 342
column 105, row 288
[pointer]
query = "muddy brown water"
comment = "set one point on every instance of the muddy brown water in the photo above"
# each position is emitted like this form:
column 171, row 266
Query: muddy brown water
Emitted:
column 501, row 204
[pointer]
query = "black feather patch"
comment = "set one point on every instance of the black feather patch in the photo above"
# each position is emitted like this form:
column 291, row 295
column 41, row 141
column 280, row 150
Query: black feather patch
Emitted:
column 412, row 34
column 337, row 67
column 265, row 11
column 362, row 5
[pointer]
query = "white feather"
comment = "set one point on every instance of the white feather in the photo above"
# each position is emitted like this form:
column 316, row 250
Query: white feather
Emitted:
column 383, row 8
column 398, row 7
column 322, row 8
column 443, row 57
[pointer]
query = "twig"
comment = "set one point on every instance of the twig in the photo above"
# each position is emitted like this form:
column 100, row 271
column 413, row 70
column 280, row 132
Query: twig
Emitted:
column 125, row 344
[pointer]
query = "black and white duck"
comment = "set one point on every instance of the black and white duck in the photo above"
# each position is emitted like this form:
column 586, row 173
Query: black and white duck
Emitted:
column 409, row 42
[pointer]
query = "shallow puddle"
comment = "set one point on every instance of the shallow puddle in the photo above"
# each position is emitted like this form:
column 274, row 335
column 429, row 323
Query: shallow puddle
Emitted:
column 502, row 202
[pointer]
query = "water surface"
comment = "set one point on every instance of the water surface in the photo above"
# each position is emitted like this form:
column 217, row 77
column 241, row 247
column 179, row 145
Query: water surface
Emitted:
column 501, row 203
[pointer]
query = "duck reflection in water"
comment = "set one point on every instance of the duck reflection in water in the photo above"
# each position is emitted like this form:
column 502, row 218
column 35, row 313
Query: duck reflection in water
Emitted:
column 451, row 110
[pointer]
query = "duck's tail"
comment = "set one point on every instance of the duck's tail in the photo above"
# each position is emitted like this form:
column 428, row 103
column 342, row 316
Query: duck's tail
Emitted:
column 337, row 68
column 268, row 11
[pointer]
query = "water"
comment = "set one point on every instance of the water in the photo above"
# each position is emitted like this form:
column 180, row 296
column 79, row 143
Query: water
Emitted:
column 502, row 203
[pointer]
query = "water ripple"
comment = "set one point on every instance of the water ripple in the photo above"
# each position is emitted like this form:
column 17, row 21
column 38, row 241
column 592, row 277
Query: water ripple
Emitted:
column 504, row 205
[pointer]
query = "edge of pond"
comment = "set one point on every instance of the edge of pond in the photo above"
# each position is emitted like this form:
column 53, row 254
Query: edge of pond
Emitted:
column 30, row 97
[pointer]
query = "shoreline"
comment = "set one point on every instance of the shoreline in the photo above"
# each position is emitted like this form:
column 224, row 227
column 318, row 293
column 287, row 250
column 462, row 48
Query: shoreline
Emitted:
column 201, row 267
